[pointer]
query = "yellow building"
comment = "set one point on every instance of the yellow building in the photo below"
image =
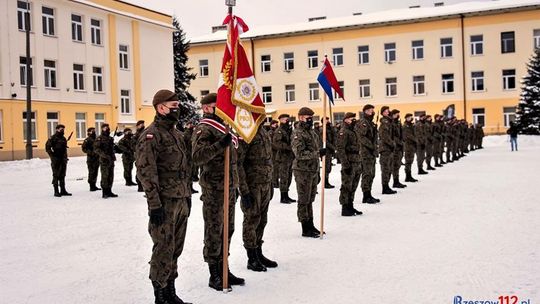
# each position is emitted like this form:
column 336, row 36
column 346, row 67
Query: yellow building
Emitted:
column 418, row 60
column 93, row 61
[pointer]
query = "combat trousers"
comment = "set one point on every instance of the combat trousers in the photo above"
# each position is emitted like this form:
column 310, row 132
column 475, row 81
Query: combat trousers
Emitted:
column 256, row 216
column 420, row 156
column 386, row 161
column 59, row 167
column 93, row 167
column 429, row 152
column 306, row 186
column 285, row 174
column 107, row 173
column 349, row 183
column 128, row 168
column 368, row 173
column 409, row 159
column 328, row 166
column 398, row 155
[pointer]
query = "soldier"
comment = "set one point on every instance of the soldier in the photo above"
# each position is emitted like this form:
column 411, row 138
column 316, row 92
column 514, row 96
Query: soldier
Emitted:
column 187, row 135
column 284, row 157
column 56, row 147
column 104, row 147
column 306, row 149
column 275, row 172
column 163, row 171
column 421, row 139
column 386, row 149
column 139, row 129
column 437, row 139
column 208, row 145
column 366, row 131
column 92, row 159
column 429, row 141
column 479, row 135
column 330, row 149
column 127, row 146
column 348, row 149
column 457, row 139
column 449, row 138
column 410, row 145
column 255, row 177
column 398, row 152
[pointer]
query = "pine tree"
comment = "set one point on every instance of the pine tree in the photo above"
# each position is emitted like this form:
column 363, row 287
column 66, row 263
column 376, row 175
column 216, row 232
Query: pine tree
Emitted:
column 183, row 76
column 528, row 113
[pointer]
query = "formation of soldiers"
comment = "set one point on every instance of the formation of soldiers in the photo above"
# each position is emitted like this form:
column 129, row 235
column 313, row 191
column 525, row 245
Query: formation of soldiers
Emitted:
column 168, row 160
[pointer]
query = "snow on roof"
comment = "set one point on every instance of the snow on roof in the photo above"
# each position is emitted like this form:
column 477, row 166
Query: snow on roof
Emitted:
column 381, row 17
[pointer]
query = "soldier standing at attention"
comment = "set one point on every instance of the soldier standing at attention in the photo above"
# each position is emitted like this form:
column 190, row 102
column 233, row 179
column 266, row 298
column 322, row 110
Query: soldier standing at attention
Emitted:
column 449, row 138
column 437, row 138
column 429, row 141
column 348, row 150
column 255, row 177
column 330, row 149
column 127, row 146
column 366, row 131
column 92, row 159
column 409, row 138
column 139, row 129
column 421, row 139
column 398, row 152
column 275, row 172
column 104, row 147
column 56, row 147
column 188, row 134
column 305, row 146
column 386, row 149
column 208, row 145
column 163, row 171
column 284, row 157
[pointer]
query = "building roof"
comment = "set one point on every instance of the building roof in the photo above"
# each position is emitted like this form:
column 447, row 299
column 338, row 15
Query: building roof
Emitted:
column 396, row 16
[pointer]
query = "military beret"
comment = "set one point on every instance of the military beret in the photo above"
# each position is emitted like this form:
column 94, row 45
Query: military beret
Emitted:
column 422, row 116
column 384, row 108
column 322, row 119
column 90, row 129
column 273, row 121
column 140, row 122
column 60, row 126
column 284, row 115
column 209, row 98
column 437, row 116
column 105, row 125
column 127, row 130
column 349, row 115
column 306, row 111
column 164, row 95
column 367, row 107
column 408, row 115
column 394, row 111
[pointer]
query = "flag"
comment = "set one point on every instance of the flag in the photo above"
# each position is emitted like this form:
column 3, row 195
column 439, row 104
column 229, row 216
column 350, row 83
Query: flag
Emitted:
column 328, row 81
column 239, row 101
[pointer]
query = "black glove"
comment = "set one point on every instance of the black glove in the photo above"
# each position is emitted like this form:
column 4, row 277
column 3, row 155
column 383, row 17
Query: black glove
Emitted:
column 189, row 205
column 322, row 152
column 225, row 140
column 247, row 200
column 348, row 170
column 157, row 216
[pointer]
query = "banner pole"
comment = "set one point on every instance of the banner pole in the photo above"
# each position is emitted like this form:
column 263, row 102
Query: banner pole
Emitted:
column 226, row 194
column 323, row 169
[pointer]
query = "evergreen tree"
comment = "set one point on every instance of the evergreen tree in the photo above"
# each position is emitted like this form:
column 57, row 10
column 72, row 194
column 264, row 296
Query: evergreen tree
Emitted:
column 528, row 113
column 183, row 76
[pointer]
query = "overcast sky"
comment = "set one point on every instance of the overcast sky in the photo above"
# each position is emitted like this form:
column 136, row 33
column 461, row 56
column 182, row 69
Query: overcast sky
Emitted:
column 198, row 16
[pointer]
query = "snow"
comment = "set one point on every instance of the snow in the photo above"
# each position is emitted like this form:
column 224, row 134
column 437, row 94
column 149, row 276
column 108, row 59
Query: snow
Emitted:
column 469, row 229
column 381, row 17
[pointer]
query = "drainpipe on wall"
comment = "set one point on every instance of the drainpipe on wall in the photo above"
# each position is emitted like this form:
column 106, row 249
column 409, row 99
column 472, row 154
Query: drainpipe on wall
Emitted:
column 252, row 55
column 463, row 67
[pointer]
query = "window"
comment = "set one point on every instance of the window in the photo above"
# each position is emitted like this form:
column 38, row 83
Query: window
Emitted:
column 342, row 87
column 1, row 126
column 363, row 54
column 477, row 81
column 509, row 79
column 52, row 122
column 313, row 59
column 390, row 52
column 125, row 103
column 76, row 28
column 123, row 55
column 508, row 42
column 313, row 92
column 99, row 121
column 78, row 77
column 33, row 125
column 22, row 70
column 339, row 116
column 265, row 63
column 50, row 73
column 203, row 67
column 337, row 55
column 289, row 93
column 47, row 19
column 267, row 94
column 80, row 125
column 419, row 85
column 95, row 31
column 479, row 116
column 536, row 38
column 204, row 93
column 446, row 47
column 97, row 77
column 365, row 89
column 288, row 60
column 22, row 18
column 417, row 49
column 391, row 87
column 448, row 83
column 477, row 45
column 509, row 114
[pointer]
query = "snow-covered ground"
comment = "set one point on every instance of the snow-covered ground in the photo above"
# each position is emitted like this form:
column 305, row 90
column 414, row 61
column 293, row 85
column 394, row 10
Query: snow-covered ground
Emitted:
column 469, row 229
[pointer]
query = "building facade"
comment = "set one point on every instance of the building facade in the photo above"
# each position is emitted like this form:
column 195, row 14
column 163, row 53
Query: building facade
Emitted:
column 92, row 62
column 418, row 60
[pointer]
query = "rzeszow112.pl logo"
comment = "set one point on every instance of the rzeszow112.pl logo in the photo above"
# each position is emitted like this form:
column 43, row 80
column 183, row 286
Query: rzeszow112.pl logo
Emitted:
column 500, row 300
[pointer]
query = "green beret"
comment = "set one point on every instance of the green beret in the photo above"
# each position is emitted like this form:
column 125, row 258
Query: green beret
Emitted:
column 384, row 108
column 394, row 111
column 367, row 107
column 284, row 115
column 408, row 115
column 349, row 115
column 209, row 98
column 163, row 96
column 306, row 111
column 127, row 130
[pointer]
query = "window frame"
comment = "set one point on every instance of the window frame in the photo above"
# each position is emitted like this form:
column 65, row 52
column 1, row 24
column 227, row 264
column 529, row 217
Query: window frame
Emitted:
column 446, row 83
column 77, row 28
column 507, row 48
column 204, row 69
column 123, row 57
column 48, row 22
column 97, row 77
column 125, row 102
column 476, row 45
column 338, row 56
column 288, row 62
column 476, row 116
column 390, row 86
column 363, row 87
column 419, row 85
column 417, row 50
column 50, row 74
column 79, row 84
column 389, row 51
column 290, row 93
column 313, row 60
column 536, row 38
column 95, row 32
column 266, row 94
column 363, row 52
column 508, row 78
column 266, row 63
column 508, row 117
column 80, row 126
column 98, row 122
column 478, row 82
column 33, row 126
column 23, row 73
column 52, row 123
column 314, row 93
column 21, row 13
column 447, row 48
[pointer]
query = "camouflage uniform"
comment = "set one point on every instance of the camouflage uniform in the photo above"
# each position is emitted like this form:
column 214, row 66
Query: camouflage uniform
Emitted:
column 398, row 152
column 187, row 135
column 386, row 149
column 210, row 156
column 367, row 132
column 429, row 142
column 330, row 146
column 163, row 170
column 104, row 147
column 284, row 157
column 421, row 139
column 348, row 150
column 449, row 139
column 92, row 159
column 275, row 172
column 136, row 137
column 56, row 147
column 411, row 144
column 479, row 136
column 127, row 146
column 437, row 139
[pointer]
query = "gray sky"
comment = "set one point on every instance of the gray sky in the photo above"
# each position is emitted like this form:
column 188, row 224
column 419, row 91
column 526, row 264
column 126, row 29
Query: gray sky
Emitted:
column 198, row 16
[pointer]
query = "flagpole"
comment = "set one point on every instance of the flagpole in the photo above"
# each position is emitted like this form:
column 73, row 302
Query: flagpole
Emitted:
column 323, row 169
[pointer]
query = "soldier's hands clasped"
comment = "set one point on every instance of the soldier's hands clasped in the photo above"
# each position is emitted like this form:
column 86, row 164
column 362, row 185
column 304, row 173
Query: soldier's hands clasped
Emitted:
column 225, row 140
column 157, row 216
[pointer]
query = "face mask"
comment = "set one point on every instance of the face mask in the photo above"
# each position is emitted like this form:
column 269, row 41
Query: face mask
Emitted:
column 128, row 135
column 106, row 132
column 61, row 132
column 309, row 122
column 140, row 128
column 92, row 134
column 174, row 114
column 353, row 122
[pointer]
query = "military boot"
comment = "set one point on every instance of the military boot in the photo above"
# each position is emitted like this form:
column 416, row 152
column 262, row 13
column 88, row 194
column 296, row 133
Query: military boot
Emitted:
column 437, row 163
column 111, row 194
column 367, row 198
column 421, row 171
column 63, row 190
column 307, row 232
column 170, row 291
column 215, row 280
column 429, row 167
column 160, row 294
column 327, row 185
column 397, row 184
column 351, row 205
column 388, row 190
column 346, row 210
column 265, row 261
column 284, row 198
column 233, row 280
column 93, row 187
column 409, row 178
column 130, row 183
column 376, row 200
column 56, row 192
column 312, row 226
column 253, row 260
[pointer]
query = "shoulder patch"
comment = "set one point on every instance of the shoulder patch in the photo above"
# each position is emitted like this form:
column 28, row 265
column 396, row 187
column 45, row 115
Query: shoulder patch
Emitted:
column 149, row 136
column 364, row 124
